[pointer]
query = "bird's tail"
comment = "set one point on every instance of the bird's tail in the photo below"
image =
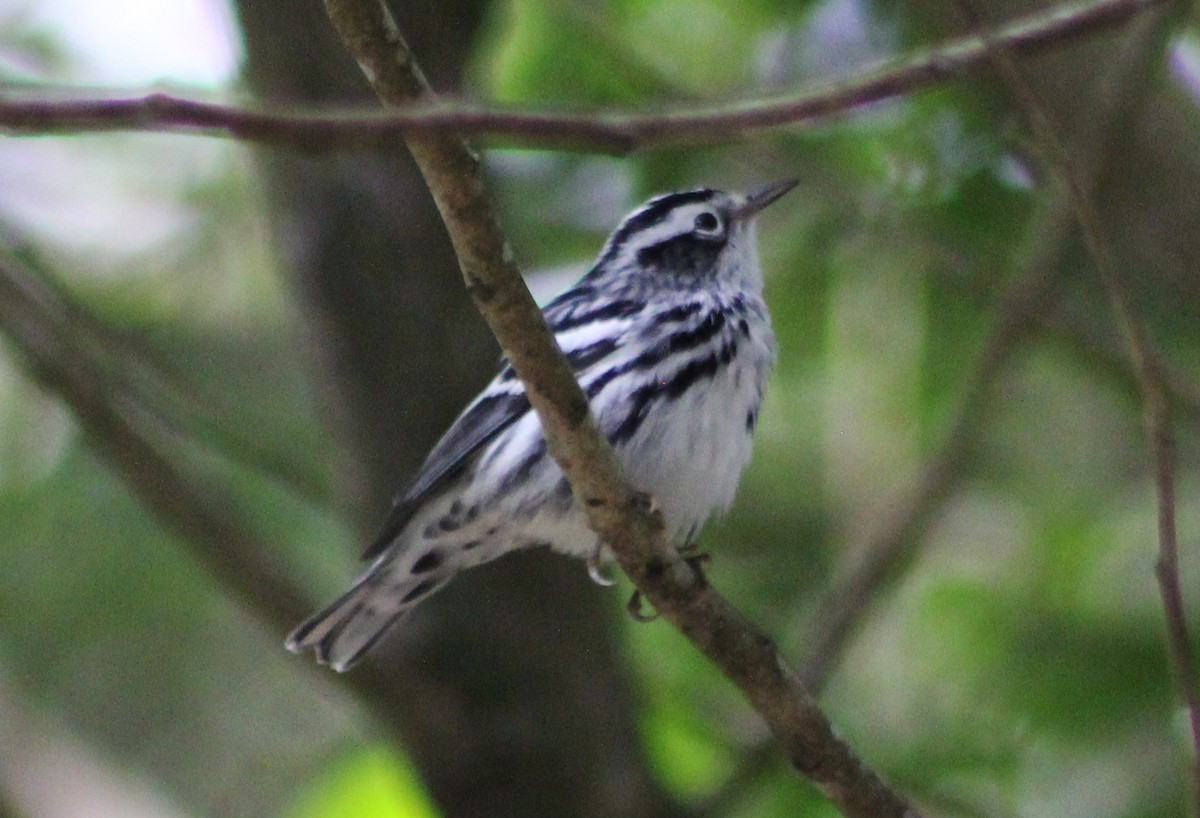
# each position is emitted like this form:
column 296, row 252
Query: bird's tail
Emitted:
column 349, row 626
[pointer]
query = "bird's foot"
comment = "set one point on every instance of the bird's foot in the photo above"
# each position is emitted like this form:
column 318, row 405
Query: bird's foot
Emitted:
column 693, row 556
column 634, row 606
column 595, row 569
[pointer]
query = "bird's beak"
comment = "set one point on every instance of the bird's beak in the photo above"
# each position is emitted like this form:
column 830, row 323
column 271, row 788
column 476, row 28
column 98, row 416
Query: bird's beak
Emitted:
column 759, row 198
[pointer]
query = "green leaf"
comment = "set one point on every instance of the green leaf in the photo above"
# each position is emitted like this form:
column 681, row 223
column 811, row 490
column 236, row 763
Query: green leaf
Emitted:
column 375, row 782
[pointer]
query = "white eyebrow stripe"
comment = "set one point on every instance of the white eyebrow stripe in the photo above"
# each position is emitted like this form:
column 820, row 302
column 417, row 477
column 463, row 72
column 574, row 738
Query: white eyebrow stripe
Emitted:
column 679, row 222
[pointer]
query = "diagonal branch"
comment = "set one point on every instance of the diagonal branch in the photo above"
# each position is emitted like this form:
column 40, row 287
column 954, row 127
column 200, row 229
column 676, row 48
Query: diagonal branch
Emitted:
column 895, row 537
column 1086, row 337
column 624, row 520
column 615, row 132
column 891, row 543
column 894, row 540
column 1148, row 365
column 43, row 327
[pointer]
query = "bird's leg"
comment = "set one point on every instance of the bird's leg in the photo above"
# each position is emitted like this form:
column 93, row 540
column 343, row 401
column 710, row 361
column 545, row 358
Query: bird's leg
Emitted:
column 691, row 553
column 595, row 568
column 634, row 606
column 694, row 557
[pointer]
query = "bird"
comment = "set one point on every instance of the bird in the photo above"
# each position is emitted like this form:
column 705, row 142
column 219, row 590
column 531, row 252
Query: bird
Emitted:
column 671, row 342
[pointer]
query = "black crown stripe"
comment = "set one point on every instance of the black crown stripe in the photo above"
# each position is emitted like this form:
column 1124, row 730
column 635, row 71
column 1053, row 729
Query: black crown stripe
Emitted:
column 655, row 211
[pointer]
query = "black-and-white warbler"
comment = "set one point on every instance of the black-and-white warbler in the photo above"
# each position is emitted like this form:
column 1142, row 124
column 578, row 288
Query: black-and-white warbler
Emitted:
column 671, row 341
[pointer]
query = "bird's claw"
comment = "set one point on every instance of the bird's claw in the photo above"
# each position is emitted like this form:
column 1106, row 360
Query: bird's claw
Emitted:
column 634, row 606
column 596, row 570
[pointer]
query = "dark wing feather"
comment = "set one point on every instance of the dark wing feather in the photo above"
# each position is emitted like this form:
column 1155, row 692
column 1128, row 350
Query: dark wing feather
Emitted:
column 500, row 406
column 474, row 429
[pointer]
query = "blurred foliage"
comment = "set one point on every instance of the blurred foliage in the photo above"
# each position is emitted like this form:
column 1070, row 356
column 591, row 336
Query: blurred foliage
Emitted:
column 370, row 783
column 1016, row 668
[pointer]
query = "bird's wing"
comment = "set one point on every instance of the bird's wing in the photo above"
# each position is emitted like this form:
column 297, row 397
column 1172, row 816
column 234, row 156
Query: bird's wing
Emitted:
column 489, row 415
column 504, row 401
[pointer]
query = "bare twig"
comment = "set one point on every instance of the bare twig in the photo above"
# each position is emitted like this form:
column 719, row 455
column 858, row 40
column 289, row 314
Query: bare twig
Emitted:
column 1085, row 337
column 1147, row 363
column 895, row 536
column 42, row 326
column 39, row 324
column 892, row 541
column 167, row 398
column 622, row 518
column 616, row 132
column 1179, row 639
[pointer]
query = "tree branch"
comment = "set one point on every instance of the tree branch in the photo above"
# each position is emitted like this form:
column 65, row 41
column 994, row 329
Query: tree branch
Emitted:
column 891, row 543
column 615, row 132
column 894, row 539
column 44, row 329
column 1148, row 365
column 623, row 519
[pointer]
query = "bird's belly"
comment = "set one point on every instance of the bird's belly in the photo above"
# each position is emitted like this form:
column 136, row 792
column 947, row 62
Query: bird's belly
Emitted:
column 690, row 451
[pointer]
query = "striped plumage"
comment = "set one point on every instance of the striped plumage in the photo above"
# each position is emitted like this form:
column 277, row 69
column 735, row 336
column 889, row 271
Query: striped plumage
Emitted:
column 671, row 342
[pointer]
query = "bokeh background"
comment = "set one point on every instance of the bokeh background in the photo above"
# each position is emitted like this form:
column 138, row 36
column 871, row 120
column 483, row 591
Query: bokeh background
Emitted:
column 270, row 342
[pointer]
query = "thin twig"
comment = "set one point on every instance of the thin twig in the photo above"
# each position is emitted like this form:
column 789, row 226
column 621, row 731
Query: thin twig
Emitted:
column 623, row 519
column 615, row 132
column 892, row 541
column 895, row 537
column 165, row 396
column 39, row 324
column 1085, row 337
column 1147, row 363
column 218, row 533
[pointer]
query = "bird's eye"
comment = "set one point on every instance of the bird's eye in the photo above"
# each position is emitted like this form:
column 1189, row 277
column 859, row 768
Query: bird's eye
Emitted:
column 707, row 222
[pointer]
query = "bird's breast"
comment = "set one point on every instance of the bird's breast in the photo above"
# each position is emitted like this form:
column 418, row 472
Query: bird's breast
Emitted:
column 694, row 438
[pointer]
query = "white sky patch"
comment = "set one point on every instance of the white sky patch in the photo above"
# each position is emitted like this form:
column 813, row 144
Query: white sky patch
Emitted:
column 548, row 283
column 118, row 195
column 143, row 42
column 1184, row 57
